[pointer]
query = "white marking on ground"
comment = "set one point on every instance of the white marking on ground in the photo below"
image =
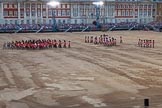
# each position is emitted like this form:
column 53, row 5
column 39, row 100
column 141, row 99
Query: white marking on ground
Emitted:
column 13, row 94
column 94, row 102
column 16, row 105
column 136, row 106
column 65, row 86
column 8, row 73
column 85, row 78
column 45, row 98
column 2, row 82
column 20, row 71
column 75, row 105
column 45, row 78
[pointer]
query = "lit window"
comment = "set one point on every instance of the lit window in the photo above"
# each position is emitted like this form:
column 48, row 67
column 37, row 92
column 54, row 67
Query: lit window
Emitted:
column 10, row 13
column 10, row 5
column 5, row 6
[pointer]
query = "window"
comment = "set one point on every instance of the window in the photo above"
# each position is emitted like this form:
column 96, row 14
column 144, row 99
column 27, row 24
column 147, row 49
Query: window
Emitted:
column 119, row 12
column 10, row 6
column 145, row 13
column 27, row 13
column 10, row 13
column 33, row 6
column 68, row 6
column 75, row 12
column 39, row 5
column 50, row 21
column 68, row 12
column 75, row 21
column 5, row 5
column 63, row 13
column 140, row 13
column 59, row 21
column 136, row 13
column 64, row 21
column 49, row 12
column 127, row 13
column 68, row 21
column 16, row 22
column 28, row 21
column 44, row 6
column 126, row 6
column 44, row 21
column 11, row 22
column 39, row 13
column 33, row 13
column 6, row 21
column 21, row 5
column 59, row 12
column 22, row 21
column 27, row 5
column 63, row 5
column 33, row 21
column 131, row 12
column 15, row 13
column 15, row 5
column 5, row 13
column 123, row 13
column 153, row 13
column 21, row 13
column 44, row 13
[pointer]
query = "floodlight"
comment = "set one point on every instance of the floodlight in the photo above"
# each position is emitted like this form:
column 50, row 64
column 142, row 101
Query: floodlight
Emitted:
column 100, row 3
column 53, row 3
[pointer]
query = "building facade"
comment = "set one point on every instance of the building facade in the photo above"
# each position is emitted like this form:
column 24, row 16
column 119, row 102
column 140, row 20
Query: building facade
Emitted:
column 77, row 12
column 159, row 12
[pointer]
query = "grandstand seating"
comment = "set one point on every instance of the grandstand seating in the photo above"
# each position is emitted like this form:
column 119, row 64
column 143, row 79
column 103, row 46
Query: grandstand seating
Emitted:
column 79, row 27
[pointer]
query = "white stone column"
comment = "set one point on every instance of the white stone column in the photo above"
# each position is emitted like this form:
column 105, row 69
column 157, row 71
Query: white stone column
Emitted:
column 138, row 6
column 41, row 13
column 30, row 14
column 19, row 18
column 47, row 14
column 36, row 15
column 1, row 14
column 151, row 10
column 147, row 10
column 1, row 11
column 25, row 13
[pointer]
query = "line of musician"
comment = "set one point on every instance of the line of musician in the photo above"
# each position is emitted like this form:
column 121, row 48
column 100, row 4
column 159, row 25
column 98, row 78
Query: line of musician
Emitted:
column 37, row 44
column 102, row 39
column 147, row 43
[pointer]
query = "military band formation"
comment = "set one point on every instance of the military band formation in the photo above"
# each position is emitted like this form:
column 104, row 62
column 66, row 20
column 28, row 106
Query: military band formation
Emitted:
column 146, row 43
column 104, row 40
column 37, row 44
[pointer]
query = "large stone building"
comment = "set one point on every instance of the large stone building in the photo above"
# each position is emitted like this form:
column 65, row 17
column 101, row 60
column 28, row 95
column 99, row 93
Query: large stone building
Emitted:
column 77, row 11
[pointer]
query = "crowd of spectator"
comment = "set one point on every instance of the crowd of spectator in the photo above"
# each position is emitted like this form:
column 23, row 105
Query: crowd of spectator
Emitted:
column 72, row 27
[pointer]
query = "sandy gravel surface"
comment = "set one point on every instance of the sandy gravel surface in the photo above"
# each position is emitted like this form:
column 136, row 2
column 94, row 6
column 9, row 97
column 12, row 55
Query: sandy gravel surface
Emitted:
column 84, row 76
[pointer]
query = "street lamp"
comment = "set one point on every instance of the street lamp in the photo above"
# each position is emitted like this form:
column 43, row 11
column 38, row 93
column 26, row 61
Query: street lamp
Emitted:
column 53, row 4
column 98, row 5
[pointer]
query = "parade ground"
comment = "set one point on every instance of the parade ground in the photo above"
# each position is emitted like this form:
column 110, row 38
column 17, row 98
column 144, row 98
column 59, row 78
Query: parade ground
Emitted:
column 83, row 76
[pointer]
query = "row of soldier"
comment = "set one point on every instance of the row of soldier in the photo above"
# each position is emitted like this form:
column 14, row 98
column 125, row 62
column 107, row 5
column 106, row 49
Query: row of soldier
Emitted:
column 146, row 43
column 37, row 44
column 102, row 39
